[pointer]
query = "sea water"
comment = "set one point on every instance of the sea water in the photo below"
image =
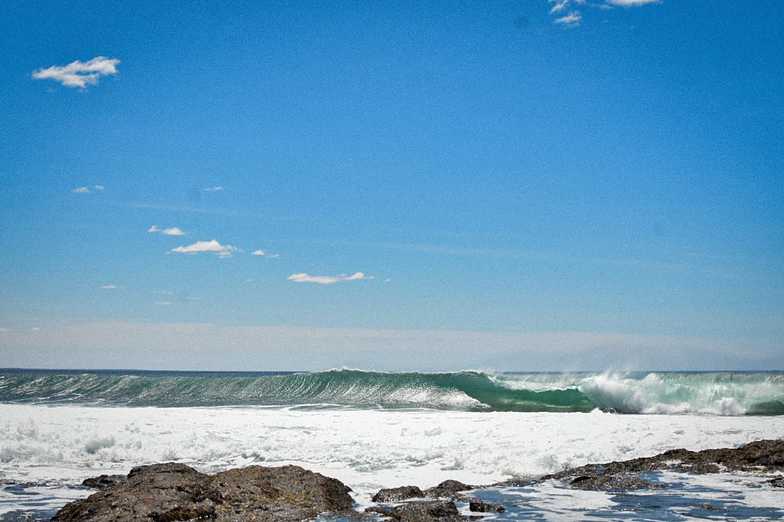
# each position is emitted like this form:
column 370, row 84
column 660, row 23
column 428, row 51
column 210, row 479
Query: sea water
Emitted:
column 373, row 430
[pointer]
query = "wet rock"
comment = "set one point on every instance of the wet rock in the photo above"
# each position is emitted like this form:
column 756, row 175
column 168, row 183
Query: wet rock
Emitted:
column 763, row 455
column 479, row 506
column 612, row 482
column 398, row 494
column 447, row 489
column 777, row 482
column 172, row 492
column 426, row 511
column 103, row 481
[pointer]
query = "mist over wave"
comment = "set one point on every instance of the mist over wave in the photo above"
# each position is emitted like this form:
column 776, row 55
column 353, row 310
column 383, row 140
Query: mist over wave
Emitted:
column 709, row 393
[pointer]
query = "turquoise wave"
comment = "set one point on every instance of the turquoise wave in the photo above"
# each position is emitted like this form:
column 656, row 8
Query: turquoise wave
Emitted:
column 717, row 393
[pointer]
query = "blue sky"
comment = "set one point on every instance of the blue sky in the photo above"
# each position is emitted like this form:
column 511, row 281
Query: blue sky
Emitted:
column 524, row 185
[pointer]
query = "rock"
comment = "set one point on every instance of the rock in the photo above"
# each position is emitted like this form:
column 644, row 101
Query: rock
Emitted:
column 763, row 455
column 479, row 506
column 447, row 489
column 613, row 482
column 398, row 494
column 103, row 481
column 172, row 492
column 777, row 482
column 426, row 511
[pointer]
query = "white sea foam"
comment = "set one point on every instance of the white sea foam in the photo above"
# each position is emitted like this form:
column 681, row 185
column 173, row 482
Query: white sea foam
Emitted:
column 366, row 449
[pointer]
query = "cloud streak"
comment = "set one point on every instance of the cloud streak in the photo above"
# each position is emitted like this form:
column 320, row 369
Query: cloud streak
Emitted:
column 572, row 19
column 327, row 279
column 212, row 246
column 566, row 13
column 171, row 231
column 88, row 189
column 631, row 3
column 79, row 74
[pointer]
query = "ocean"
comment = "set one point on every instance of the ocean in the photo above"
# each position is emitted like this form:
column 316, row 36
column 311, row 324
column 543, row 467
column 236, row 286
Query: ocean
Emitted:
column 374, row 429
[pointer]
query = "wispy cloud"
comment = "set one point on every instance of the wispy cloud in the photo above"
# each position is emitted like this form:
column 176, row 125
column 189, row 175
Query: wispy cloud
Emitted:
column 171, row 231
column 572, row 19
column 216, row 188
column 326, row 279
column 212, row 246
column 264, row 253
column 567, row 13
column 631, row 3
column 88, row 189
column 79, row 74
column 558, row 6
column 109, row 286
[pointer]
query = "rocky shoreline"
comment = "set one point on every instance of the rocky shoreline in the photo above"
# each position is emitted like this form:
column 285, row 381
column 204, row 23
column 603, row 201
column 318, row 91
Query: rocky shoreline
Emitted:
column 175, row 492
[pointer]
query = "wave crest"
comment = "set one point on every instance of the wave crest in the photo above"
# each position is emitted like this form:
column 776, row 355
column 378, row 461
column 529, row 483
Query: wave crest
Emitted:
column 718, row 393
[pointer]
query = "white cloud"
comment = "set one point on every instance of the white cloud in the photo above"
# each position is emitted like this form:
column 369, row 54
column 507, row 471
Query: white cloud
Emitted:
column 216, row 188
column 163, row 303
column 327, row 280
column 88, row 189
column 79, row 74
column 572, row 19
column 109, row 287
column 212, row 246
column 558, row 5
column 171, row 231
column 631, row 3
column 258, row 253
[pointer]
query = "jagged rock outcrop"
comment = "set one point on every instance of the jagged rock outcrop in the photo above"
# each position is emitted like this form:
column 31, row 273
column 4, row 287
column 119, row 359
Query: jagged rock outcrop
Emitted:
column 172, row 492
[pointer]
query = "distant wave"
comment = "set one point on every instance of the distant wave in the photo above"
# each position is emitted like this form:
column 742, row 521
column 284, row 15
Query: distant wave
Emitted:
column 715, row 393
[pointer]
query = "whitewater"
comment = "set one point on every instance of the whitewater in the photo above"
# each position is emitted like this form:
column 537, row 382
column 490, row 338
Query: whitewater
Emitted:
column 373, row 430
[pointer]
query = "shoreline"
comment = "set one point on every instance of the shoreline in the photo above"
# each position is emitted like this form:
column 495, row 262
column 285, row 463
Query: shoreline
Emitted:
column 171, row 491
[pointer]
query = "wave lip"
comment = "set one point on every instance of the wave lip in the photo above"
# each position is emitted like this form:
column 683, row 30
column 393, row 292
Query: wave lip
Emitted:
column 716, row 393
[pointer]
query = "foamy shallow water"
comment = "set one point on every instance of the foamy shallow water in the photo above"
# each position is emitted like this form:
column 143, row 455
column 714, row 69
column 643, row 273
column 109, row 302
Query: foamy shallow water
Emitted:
column 55, row 447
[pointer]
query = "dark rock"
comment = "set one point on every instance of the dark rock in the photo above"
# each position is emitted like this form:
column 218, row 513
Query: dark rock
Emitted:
column 103, row 481
column 398, row 494
column 387, row 511
column 172, row 492
column 513, row 483
column 763, row 455
column 777, row 482
column 426, row 511
column 479, row 506
column 447, row 489
column 613, row 482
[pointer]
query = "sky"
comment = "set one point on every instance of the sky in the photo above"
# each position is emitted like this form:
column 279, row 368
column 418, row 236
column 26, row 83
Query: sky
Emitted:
column 528, row 185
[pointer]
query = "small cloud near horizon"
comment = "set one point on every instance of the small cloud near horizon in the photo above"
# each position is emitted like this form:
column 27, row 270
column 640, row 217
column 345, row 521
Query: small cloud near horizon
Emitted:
column 212, row 246
column 326, row 279
column 217, row 188
column 170, row 231
column 261, row 253
column 79, row 74
column 109, row 286
column 88, row 189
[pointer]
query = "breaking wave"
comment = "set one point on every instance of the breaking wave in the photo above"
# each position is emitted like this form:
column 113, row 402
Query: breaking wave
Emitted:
column 714, row 393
